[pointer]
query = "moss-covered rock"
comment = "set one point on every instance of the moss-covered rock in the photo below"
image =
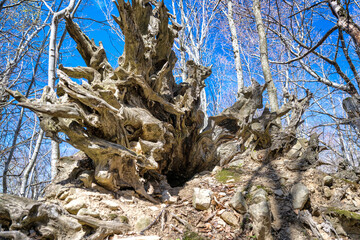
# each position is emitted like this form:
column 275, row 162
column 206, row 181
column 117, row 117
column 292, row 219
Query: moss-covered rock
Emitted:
column 344, row 213
column 345, row 222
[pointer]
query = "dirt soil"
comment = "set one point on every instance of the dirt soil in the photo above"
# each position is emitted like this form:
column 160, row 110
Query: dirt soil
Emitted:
column 178, row 219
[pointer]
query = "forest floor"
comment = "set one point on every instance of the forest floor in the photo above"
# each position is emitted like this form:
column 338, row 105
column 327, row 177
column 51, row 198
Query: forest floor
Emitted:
column 335, row 208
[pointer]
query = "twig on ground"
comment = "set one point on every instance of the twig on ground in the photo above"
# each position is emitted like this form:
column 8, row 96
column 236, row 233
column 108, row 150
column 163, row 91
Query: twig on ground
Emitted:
column 219, row 203
column 153, row 222
column 177, row 229
column 306, row 218
column 183, row 222
column 163, row 220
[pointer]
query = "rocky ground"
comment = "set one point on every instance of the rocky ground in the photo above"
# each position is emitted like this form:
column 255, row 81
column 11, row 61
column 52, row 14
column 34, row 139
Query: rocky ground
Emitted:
column 245, row 200
column 263, row 200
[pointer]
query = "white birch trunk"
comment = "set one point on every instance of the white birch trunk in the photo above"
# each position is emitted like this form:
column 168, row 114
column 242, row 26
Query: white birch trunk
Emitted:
column 52, row 74
column 181, row 41
column 236, row 49
column 18, row 127
column 29, row 167
column 287, row 80
column 274, row 105
column 203, row 107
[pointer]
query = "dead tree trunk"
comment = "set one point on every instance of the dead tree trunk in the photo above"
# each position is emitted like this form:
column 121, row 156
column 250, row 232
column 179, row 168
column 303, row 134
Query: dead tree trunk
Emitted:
column 135, row 123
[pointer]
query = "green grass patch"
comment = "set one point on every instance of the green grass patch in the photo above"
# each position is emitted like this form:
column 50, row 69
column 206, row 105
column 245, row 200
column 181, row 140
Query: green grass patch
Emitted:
column 229, row 173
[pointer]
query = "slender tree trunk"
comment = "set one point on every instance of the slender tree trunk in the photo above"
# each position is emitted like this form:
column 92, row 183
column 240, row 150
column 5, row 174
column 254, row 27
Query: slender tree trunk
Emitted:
column 55, row 148
column 274, row 105
column 18, row 127
column 52, row 53
column 203, row 107
column 181, row 41
column 343, row 144
column 29, row 167
column 55, row 154
column 286, row 88
column 236, row 50
column 31, row 177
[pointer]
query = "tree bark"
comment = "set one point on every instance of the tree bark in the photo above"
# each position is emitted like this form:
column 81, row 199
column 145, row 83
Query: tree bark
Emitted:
column 29, row 167
column 236, row 50
column 273, row 99
column 53, row 57
column 129, row 120
column 345, row 22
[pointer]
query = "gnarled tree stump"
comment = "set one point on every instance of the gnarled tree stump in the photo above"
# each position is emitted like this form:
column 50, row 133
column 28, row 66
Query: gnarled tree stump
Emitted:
column 136, row 124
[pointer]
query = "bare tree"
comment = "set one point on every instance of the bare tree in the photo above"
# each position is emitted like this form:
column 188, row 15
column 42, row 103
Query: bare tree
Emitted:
column 273, row 99
column 329, row 57
column 13, row 62
column 235, row 45
column 32, row 52
column 196, row 19
column 53, row 56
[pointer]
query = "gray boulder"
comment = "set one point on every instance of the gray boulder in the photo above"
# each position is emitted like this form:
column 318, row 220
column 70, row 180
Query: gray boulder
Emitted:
column 258, row 195
column 202, row 198
column 300, row 195
column 75, row 205
column 260, row 214
column 238, row 202
column 328, row 181
column 230, row 218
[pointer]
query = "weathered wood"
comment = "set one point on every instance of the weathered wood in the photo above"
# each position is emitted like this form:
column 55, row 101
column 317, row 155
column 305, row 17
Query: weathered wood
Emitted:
column 114, row 227
column 15, row 235
column 19, row 217
column 137, row 125
column 307, row 219
column 132, row 121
